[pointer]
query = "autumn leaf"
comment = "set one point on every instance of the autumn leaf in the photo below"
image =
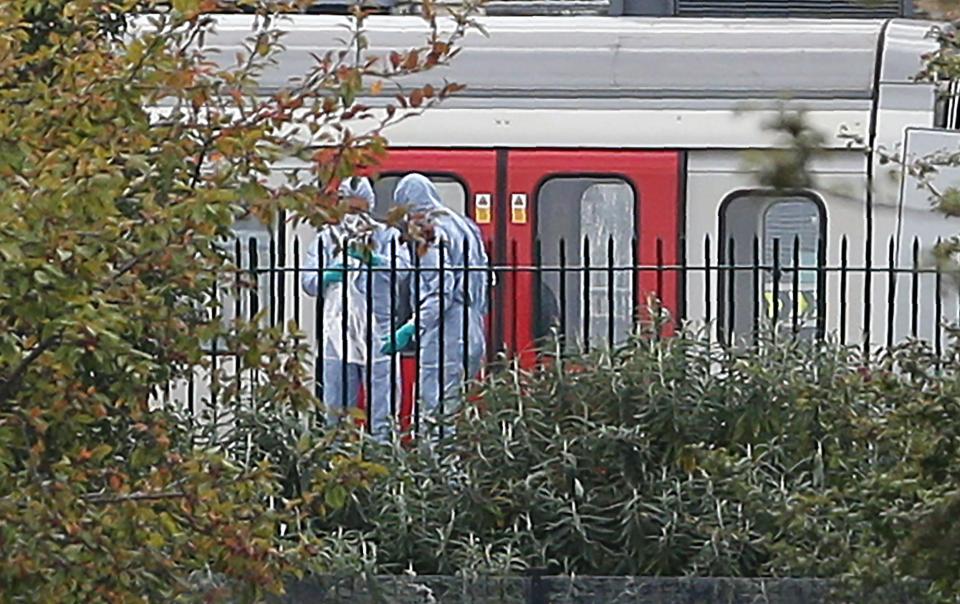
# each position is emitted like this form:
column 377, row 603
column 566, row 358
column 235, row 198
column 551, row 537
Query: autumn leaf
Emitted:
column 416, row 98
column 412, row 60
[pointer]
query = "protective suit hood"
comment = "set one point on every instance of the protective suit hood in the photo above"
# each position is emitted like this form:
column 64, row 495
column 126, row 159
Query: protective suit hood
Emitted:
column 356, row 186
column 417, row 194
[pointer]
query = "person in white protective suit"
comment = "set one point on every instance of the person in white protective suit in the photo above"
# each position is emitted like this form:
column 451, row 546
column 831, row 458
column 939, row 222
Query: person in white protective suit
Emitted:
column 451, row 309
column 349, row 345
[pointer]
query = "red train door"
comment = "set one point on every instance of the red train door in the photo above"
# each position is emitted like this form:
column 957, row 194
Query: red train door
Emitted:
column 567, row 210
column 588, row 216
column 466, row 180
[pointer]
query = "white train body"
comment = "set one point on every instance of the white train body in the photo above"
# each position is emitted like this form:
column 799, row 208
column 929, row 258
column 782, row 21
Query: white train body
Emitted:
column 656, row 103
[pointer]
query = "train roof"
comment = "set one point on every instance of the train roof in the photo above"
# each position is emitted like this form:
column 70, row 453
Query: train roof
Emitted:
column 596, row 58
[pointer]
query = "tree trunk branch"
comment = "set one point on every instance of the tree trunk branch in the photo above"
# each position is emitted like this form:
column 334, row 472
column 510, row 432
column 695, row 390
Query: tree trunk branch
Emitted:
column 10, row 383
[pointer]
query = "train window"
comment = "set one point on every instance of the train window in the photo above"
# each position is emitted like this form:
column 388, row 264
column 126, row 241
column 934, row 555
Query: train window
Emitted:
column 789, row 227
column 452, row 192
column 588, row 217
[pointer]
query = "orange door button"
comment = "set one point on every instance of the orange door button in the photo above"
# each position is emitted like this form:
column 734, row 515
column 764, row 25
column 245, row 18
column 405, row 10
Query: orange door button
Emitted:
column 482, row 211
column 518, row 208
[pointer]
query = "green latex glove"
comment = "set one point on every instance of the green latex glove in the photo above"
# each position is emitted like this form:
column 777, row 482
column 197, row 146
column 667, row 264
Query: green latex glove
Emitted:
column 334, row 274
column 400, row 339
column 367, row 257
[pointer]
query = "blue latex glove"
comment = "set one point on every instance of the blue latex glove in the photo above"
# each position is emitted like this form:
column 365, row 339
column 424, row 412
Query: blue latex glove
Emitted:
column 400, row 339
column 334, row 274
column 367, row 257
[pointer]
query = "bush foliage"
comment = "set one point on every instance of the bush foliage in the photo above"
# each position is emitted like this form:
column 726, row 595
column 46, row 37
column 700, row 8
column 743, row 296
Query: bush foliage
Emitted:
column 678, row 457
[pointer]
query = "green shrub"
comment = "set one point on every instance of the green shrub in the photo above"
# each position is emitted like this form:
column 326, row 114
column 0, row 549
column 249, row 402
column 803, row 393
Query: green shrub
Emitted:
column 678, row 457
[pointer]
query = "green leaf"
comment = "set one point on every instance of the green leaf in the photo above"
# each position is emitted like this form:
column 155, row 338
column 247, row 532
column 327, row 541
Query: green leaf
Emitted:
column 155, row 540
column 186, row 6
column 335, row 497
column 10, row 251
column 101, row 451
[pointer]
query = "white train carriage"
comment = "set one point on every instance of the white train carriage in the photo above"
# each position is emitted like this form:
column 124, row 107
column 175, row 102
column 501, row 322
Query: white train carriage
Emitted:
column 624, row 139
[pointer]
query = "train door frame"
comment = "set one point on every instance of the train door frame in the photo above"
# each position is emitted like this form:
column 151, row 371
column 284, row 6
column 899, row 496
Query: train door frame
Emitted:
column 656, row 177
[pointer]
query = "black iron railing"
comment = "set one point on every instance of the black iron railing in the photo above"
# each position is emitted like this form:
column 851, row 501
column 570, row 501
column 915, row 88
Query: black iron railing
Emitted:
column 785, row 290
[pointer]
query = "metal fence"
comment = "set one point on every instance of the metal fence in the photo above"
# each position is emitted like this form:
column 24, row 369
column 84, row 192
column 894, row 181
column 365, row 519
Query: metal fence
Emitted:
column 573, row 304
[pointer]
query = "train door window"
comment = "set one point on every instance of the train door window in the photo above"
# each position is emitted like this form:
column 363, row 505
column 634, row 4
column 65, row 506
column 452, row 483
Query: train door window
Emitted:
column 788, row 227
column 451, row 190
column 585, row 219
